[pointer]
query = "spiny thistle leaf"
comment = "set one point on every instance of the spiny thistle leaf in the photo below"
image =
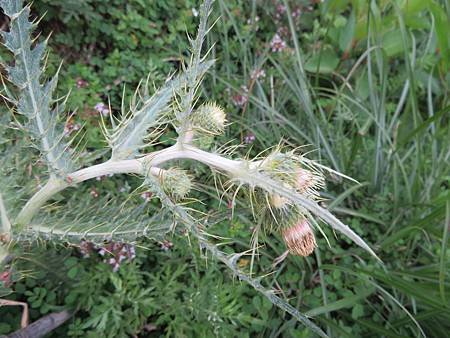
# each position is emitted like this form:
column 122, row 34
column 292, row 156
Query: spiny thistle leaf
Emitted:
column 194, row 72
column 35, row 99
column 102, row 219
column 128, row 136
column 14, row 183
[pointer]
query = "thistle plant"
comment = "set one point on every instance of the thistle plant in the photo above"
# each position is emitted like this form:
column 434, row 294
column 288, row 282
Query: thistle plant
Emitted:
column 282, row 187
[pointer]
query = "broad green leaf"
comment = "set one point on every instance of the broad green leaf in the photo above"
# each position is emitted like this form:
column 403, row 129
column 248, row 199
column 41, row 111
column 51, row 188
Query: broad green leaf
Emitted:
column 392, row 42
column 347, row 33
column 340, row 304
column 324, row 62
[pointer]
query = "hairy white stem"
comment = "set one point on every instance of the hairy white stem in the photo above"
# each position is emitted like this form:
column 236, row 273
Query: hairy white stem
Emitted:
column 134, row 166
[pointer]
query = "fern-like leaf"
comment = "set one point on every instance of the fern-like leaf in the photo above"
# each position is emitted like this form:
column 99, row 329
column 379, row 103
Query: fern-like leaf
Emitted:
column 35, row 99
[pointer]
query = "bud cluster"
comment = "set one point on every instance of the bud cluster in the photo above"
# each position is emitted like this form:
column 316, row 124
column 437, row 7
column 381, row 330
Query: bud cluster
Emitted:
column 293, row 172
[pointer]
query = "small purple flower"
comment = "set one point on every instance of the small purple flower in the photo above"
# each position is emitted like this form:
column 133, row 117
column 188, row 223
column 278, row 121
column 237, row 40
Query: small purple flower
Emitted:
column 117, row 253
column 280, row 11
column 94, row 193
column 283, row 32
column 240, row 98
column 102, row 108
column 166, row 245
column 277, row 44
column 81, row 83
column 86, row 248
column 257, row 73
column 254, row 23
column 281, row 8
column 132, row 252
column 146, row 196
column 296, row 13
column 71, row 127
column 249, row 138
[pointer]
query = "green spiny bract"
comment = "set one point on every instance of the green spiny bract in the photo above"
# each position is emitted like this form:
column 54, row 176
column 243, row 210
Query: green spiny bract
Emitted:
column 209, row 118
column 176, row 182
column 294, row 172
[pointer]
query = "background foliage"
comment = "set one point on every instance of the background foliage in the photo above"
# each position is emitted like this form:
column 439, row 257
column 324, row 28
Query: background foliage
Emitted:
column 363, row 84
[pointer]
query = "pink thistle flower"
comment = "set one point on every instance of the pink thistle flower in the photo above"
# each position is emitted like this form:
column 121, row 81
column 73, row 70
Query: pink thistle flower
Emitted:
column 306, row 182
column 299, row 238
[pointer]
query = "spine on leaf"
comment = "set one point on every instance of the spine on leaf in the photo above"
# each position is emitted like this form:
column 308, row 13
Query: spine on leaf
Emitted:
column 35, row 97
column 128, row 137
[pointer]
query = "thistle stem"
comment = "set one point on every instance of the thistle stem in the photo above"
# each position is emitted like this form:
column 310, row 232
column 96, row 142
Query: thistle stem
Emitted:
column 135, row 166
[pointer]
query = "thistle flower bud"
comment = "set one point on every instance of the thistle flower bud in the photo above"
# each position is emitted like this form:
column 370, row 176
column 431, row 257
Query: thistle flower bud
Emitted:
column 307, row 182
column 209, row 118
column 299, row 238
column 288, row 169
column 278, row 202
column 304, row 179
column 176, row 182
